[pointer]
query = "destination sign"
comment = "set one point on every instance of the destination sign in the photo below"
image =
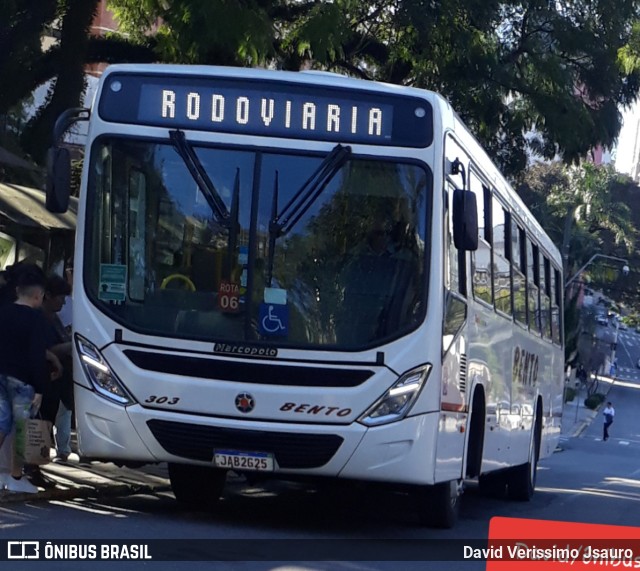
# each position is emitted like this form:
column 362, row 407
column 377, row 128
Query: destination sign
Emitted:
column 273, row 109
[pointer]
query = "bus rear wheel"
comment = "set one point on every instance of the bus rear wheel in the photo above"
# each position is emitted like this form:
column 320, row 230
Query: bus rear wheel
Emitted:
column 521, row 480
column 439, row 505
column 197, row 486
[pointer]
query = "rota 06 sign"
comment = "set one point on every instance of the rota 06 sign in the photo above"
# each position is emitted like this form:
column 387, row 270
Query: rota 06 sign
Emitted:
column 228, row 297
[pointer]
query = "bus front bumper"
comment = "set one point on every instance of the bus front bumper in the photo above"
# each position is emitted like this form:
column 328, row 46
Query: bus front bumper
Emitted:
column 401, row 452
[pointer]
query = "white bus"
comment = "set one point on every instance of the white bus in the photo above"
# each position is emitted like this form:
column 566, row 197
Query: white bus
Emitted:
column 304, row 274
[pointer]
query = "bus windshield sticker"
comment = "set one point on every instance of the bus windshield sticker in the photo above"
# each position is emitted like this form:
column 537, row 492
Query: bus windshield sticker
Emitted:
column 113, row 279
column 273, row 320
column 228, row 297
column 275, row 295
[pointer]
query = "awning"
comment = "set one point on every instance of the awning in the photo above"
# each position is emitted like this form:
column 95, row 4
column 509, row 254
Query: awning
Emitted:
column 25, row 206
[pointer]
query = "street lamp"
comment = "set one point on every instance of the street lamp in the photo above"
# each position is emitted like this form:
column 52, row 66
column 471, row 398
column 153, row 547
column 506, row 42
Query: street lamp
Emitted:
column 625, row 268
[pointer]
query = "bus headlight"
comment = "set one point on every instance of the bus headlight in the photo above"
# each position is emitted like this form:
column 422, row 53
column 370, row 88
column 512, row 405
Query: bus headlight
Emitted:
column 398, row 400
column 97, row 369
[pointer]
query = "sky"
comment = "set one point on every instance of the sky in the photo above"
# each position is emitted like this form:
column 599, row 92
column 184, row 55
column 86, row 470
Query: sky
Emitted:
column 626, row 139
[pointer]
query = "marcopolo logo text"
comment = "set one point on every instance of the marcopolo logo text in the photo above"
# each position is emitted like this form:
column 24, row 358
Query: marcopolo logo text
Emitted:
column 245, row 350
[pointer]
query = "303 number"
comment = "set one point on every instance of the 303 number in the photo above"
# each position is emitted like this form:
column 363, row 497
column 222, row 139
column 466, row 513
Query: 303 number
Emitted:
column 153, row 399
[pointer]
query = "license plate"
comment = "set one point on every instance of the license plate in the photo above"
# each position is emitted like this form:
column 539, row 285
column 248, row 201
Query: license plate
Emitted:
column 235, row 460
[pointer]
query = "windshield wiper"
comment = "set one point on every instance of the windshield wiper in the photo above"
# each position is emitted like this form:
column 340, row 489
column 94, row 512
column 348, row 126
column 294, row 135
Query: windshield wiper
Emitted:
column 234, row 225
column 283, row 222
column 200, row 176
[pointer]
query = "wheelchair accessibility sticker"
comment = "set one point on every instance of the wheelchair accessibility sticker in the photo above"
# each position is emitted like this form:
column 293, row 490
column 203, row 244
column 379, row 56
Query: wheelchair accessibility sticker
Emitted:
column 273, row 319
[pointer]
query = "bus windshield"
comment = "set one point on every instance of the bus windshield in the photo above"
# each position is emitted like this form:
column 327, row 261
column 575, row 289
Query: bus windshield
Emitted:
column 348, row 271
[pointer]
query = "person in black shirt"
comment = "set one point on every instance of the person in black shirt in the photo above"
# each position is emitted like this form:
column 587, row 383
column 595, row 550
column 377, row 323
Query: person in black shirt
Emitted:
column 23, row 362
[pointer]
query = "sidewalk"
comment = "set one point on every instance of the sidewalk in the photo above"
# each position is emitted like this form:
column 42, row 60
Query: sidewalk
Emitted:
column 78, row 479
column 575, row 416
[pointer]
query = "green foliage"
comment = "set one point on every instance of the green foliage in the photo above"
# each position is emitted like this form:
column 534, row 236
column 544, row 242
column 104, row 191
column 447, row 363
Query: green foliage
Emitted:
column 571, row 330
column 26, row 63
column 322, row 34
column 506, row 66
column 583, row 209
column 201, row 31
column 629, row 54
column 588, row 209
column 21, row 27
column 594, row 401
column 76, row 176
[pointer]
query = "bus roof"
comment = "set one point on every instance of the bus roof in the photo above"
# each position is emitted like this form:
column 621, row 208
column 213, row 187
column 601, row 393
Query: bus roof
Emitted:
column 311, row 77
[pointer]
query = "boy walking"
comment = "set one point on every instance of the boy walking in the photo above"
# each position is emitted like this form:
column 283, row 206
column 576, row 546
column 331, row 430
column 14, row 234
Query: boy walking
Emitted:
column 608, row 412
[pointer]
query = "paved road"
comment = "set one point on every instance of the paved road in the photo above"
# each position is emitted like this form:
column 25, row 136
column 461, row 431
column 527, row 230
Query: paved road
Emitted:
column 628, row 354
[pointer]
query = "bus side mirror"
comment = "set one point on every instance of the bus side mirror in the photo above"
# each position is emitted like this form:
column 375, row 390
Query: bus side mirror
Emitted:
column 58, row 180
column 465, row 220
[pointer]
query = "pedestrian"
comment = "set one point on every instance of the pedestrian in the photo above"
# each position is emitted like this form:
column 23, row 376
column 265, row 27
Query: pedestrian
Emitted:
column 57, row 404
column 23, row 365
column 67, row 309
column 609, row 412
column 581, row 374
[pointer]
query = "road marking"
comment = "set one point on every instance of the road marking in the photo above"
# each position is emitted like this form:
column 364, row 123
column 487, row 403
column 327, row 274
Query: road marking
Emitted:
column 624, row 443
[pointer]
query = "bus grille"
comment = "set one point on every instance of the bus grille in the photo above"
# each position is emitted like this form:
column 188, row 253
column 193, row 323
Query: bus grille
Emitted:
column 197, row 442
column 462, row 385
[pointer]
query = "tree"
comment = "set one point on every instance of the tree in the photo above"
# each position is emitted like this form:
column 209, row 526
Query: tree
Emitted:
column 582, row 209
column 69, row 84
column 562, row 67
column 25, row 64
column 21, row 30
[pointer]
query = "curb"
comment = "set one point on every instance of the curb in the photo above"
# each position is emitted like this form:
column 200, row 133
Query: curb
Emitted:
column 73, row 493
column 77, row 481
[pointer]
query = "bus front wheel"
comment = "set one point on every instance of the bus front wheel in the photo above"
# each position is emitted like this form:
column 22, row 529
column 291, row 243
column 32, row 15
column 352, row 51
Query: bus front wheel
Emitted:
column 439, row 505
column 197, row 485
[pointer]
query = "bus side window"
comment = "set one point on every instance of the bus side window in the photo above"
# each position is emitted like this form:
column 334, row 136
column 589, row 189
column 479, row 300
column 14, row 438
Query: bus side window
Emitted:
column 455, row 259
column 556, row 314
column 532, row 286
column 545, row 297
column 517, row 274
column 501, row 277
column 481, row 271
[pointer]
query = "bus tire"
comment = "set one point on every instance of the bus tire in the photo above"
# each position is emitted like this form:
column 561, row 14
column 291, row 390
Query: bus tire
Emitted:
column 197, row 486
column 521, row 480
column 439, row 505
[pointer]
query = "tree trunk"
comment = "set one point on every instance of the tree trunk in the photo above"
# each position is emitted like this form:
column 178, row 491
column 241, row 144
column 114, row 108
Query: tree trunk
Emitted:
column 70, row 81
